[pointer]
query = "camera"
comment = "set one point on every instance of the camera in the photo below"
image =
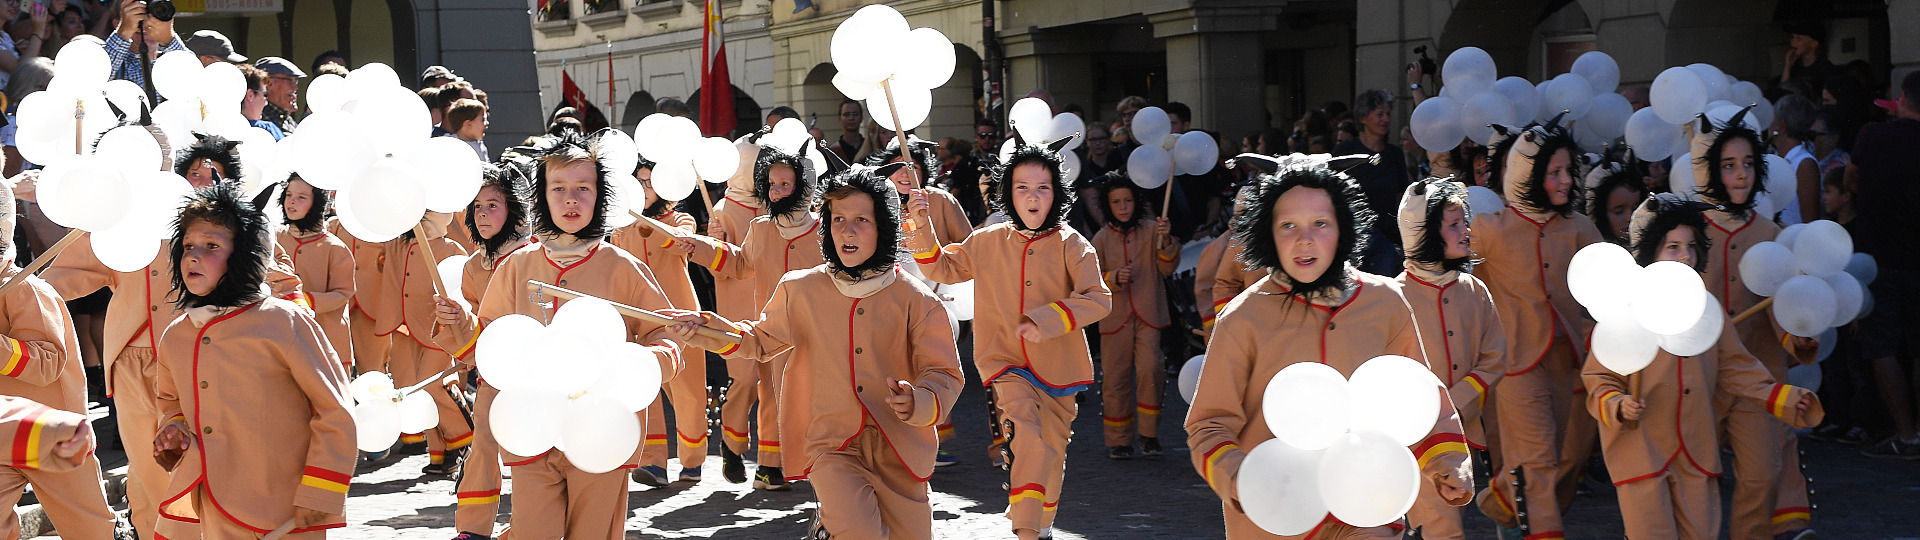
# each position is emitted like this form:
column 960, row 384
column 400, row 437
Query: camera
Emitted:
column 1426, row 63
column 161, row 10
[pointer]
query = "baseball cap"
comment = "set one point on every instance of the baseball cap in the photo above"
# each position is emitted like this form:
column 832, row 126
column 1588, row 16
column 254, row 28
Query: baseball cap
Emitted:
column 215, row 44
column 438, row 72
column 275, row 65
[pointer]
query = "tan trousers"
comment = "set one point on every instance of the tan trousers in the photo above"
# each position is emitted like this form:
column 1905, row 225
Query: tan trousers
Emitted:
column 1533, row 410
column 1680, row 503
column 1042, row 426
column 1238, row 527
column 409, row 363
column 1769, row 493
column 687, row 395
column 215, row 526
column 478, row 495
column 754, row 382
column 72, row 499
column 369, row 350
column 1436, row 519
column 134, row 373
column 1579, row 430
column 1133, row 379
column 866, row 492
column 554, row 500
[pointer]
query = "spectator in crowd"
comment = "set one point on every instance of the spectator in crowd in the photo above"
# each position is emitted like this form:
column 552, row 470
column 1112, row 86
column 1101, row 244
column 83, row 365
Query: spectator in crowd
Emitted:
column 67, row 24
column 437, row 76
column 25, row 37
column 1637, row 95
column 431, row 97
column 283, row 91
column 253, row 104
column 449, row 93
column 563, row 124
column 1382, row 182
column 328, row 57
column 949, row 152
column 1852, row 107
column 1792, row 138
column 986, row 138
column 1806, row 58
column 781, row 113
column 1180, row 117
column 670, row 107
column 1828, row 153
column 1126, row 109
column 467, row 120
column 32, row 76
column 212, row 47
column 1096, row 154
column 121, row 49
column 962, row 180
column 335, row 69
column 850, row 142
column 1887, row 191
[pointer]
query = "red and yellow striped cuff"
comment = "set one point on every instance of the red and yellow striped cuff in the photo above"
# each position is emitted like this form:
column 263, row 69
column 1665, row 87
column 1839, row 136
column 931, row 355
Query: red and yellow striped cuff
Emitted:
column 927, row 257
column 1066, row 315
column 719, row 259
column 769, row 446
column 1479, row 387
column 1604, row 397
column 316, row 477
column 659, row 439
column 1206, row 321
column 1166, row 258
column 1035, row 492
column 1777, row 401
column 1211, row 461
column 730, row 348
column 696, row 441
column 411, row 438
column 1438, row 445
column 734, row 435
column 300, row 298
column 667, row 243
column 26, row 439
column 1116, row 421
column 468, row 348
column 459, row 442
column 468, row 498
column 1797, row 513
column 1146, row 410
column 1220, row 304
column 17, row 359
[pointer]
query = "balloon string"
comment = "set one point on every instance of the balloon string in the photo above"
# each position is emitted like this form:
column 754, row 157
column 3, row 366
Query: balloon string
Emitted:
column 1750, row 312
column 700, row 185
column 633, row 312
column 426, row 254
column 42, row 260
column 404, row 392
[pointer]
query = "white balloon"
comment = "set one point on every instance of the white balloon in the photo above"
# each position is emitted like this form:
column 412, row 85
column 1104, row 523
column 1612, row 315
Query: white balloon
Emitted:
column 593, row 318
column 1436, row 124
column 1150, row 166
column 1069, row 124
column 371, row 386
column 615, row 149
column 1484, row 201
column 1033, row 118
column 46, row 128
column 327, row 92
column 1368, row 479
column 450, row 172
column 647, row 135
column 127, row 247
column 132, row 149
column 673, row 180
column 1847, row 297
column 1189, row 381
column 1279, row 488
column 962, row 295
column 1789, row 234
column 1523, row 97
column 528, row 422
column 1484, row 110
column 1667, row 302
column 1069, row 167
column 376, row 425
column 931, row 60
column 1395, row 395
column 1151, row 124
column 1602, row 276
column 1863, row 268
column 328, row 152
column 80, row 70
column 856, row 91
column 1805, row 306
column 1652, row 138
column 1678, row 94
column 867, row 45
column 1570, row 92
column 1717, row 86
column 1599, row 69
column 716, row 160
column 387, row 199
column 418, row 413
column 574, row 361
column 503, row 350
column 1006, row 151
column 1765, row 266
column 369, row 78
column 1303, row 405
column 397, row 115
column 222, row 87
column 632, row 370
column 1608, row 115
column 124, row 94
column 1623, row 346
column 1781, row 182
column 177, row 75
column 599, row 434
column 1703, row 335
column 87, row 193
column 1195, row 153
column 1680, row 177
column 1468, row 63
column 160, row 195
column 1721, row 112
column 1823, row 248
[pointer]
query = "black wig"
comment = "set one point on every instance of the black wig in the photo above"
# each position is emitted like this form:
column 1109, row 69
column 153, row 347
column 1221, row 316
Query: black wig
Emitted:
column 1431, row 248
column 1253, row 228
column 1111, row 182
column 660, row 206
column 1618, row 170
column 222, row 204
column 211, row 147
column 570, row 147
column 872, row 181
column 1536, row 146
column 513, row 186
column 804, row 182
column 923, row 153
column 1714, row 190
column 1661, row 214
column 316, row 212
column 1046, row 155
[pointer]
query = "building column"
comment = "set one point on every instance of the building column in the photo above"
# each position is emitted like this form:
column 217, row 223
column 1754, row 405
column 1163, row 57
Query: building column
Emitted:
column 1216, row 64
column 1903, row 25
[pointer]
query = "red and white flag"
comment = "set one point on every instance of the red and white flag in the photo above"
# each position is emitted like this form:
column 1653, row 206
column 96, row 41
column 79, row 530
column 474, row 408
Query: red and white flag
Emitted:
column 571, row 93
column 716, row 88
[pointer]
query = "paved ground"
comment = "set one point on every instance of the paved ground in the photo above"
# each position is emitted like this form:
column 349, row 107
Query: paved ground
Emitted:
column 1858, row 498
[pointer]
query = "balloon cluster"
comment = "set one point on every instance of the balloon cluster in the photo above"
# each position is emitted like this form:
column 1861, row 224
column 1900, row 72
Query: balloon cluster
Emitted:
column 369, row 139
column 682, row 158
column 1349, row 459
column 1037, row 124
column 877, row 55
column 573, row 385
column 1162, row 154
column 381, row 412
column 1815, row 279
column 1473, row 100
column 114, row 182
column 1641, row 311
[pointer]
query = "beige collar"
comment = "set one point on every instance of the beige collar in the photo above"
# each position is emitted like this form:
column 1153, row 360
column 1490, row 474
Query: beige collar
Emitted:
column 795, row 225
column 866, row 286
column 1431, row 272
column 566, row 249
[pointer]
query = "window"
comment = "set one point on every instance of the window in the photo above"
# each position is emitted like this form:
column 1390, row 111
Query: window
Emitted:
column 554, row 10
column 601, row 6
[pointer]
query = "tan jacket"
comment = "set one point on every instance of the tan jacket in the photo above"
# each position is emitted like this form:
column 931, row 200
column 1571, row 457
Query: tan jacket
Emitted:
column 1729, row 244
column 845, row 353
column 1232, row 278
column 761, row 257
column 1678, row 428
column 459, row 340
column 1145, row 295
column 1525, row 265
column 1264, row 331
column 733, row 298
column 1052, row 280
column 668, row 265
column 41, row 353
column 34, row 430
column 1465, row 343
column 407, row 297
column 1203, row 274
column 142, row 301
column 325, row 267
column 369, row 259
column 609, row 273
column 267, row 407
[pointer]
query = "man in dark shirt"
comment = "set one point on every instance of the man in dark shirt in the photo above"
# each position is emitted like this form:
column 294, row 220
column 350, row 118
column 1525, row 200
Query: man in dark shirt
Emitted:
column 1382, row 182
column 283, row 91
column 1886, row 170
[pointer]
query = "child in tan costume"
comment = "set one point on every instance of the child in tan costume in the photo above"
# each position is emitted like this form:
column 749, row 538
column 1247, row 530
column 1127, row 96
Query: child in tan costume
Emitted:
column 369, row 258
column 687, row 393
column 237, row 357
column 863, row 391
column 1465, row 342
column 1526, row 247
column 1134, row 258
column 1038, row 283
column 324, row 263
column 406, row 312
column 734, row 300
column 1303, row 224
column 42, row 365
column 1659, row 437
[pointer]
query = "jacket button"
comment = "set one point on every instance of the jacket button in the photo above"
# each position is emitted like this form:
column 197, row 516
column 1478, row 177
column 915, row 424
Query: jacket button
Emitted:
column 860, row 311
column 563, row 282
column 207, row 430
column 1687, row 391
column 1456, row 366
column 857, row 350
column 206, row 340
column 858, row 388
column 1733, row 278
column 1446, row 300
column 153, row 272
column 1546, row 265
column 1029, row 283
column 1449, row 333
column 203, row 385
column 1330, row 326
column 1029, row 252
column 1733, row 246
column 153, row 308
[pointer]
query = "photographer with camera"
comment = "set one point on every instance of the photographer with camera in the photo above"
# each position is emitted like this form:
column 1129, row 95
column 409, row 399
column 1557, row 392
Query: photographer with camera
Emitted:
column 150, row 21
column 1417, row 72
